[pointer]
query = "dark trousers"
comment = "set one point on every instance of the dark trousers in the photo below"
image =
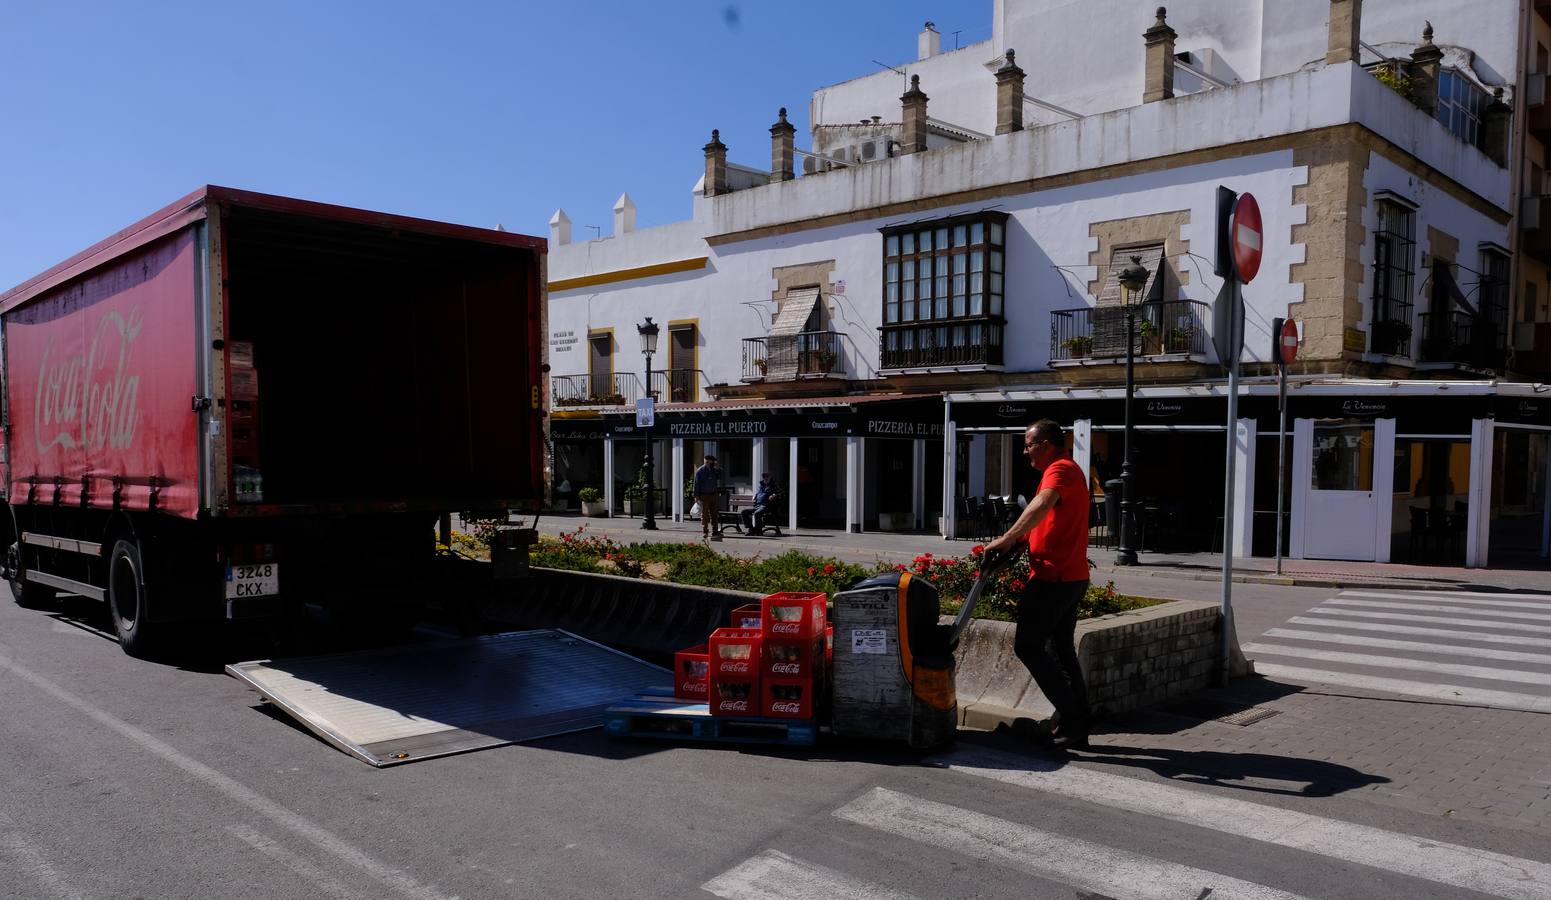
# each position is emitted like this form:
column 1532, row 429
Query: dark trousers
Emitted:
column 1047, row 625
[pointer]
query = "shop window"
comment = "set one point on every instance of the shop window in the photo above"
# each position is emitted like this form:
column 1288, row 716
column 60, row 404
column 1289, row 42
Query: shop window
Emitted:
column 944, row 290
column 1460, row 106
column 1394, row 251
column 1343, row 458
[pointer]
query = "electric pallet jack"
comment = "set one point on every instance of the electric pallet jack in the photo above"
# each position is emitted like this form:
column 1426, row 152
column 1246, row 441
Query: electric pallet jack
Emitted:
column 893, row 672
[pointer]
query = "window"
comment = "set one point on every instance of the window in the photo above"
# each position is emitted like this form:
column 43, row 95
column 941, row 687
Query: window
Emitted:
column 1343, row 458
column 1460, row 106
column 944, row 290
column 1493, row 300
column 600, row 365
column 682, row 386
column 1393, row 251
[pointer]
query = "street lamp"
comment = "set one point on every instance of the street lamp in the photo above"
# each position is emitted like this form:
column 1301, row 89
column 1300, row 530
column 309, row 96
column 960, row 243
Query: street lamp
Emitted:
column 648, row 347
column 1132, row 279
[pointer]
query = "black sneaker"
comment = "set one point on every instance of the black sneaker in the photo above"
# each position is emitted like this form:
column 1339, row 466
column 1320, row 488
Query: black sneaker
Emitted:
column 1066, row 738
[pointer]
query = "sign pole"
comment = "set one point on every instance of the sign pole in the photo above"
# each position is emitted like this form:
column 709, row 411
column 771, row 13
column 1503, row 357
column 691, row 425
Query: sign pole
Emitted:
column 1281, row 454
column 1234, row 341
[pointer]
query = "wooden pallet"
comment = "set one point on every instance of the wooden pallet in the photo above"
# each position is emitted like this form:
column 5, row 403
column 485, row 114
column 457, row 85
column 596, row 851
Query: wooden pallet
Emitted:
column 653, row 715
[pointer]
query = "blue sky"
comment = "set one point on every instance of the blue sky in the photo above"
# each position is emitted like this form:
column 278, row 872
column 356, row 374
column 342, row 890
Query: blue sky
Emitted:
column 475, row 113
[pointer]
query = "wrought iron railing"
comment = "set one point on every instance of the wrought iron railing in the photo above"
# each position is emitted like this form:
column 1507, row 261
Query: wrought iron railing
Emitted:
column 677, row 385
column 955, row 343
column 611, row 389
column 808, row 354
column 1161, row 329
column 1460, row 337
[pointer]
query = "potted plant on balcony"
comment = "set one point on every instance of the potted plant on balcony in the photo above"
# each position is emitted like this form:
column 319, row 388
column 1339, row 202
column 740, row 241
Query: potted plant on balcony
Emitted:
column 827, row 360
column 762, row 366
column 1078, row 346
column 1392, row 337
column 592, row 502
column 1151, row 344
column 1182, row 338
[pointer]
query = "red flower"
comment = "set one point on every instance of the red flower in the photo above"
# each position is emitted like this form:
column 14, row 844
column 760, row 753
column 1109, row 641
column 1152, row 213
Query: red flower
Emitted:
column 829, row 569
column 899, row 567
column 934, row 577
column 977, row 573
column 978, row 549
column 810, row 570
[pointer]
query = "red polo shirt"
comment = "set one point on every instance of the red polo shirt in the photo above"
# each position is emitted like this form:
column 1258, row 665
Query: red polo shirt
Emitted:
column 1058, row 545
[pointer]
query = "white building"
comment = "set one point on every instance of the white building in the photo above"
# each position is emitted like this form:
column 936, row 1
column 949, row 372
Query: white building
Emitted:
column 876, row 320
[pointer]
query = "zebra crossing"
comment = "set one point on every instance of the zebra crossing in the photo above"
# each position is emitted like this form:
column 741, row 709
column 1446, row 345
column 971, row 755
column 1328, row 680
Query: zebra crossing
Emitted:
column 1377, row 861
column 1463, row 646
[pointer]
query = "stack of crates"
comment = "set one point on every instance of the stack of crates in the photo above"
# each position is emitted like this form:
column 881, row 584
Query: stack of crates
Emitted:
column 735, row 671
column 793, row 670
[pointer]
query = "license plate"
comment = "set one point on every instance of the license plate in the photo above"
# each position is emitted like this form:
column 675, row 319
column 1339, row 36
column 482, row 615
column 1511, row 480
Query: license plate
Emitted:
column 261, row 580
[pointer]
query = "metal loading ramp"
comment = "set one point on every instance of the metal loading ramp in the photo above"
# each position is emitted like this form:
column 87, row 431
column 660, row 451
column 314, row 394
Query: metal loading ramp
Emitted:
column 401, row 704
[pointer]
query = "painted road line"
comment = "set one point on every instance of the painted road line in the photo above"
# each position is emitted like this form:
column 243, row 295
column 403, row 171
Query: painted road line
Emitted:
column 1428, row 607
column 1402, row 662
column 1442, row 620
column 234, row 790
column 1467, row 868
column 1453, row 693
column 1393, row 629
column 1510, row 595
column 773, row 875
column 1114, row 873
column 29, row 861
column 1471, row 599
column 1331, row 637
column 326, row 884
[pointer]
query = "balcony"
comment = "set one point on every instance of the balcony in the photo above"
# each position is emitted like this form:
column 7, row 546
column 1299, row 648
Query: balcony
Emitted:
column 1176, row 328
column 1459, row 337
column 972, row 342
column 677, row 385
column 614, row 389
column 808, row 354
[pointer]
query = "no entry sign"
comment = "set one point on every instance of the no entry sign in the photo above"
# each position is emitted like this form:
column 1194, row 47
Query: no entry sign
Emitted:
column 1246, row 239
column 1287, row 342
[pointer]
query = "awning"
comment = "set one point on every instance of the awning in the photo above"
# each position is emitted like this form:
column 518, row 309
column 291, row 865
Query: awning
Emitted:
column 1448, row 289
column 781, row 346
column 877, row 415
column 1109, row 322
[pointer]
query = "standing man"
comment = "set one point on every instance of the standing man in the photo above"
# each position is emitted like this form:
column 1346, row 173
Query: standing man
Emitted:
column 1056, row 525
column 708, row 487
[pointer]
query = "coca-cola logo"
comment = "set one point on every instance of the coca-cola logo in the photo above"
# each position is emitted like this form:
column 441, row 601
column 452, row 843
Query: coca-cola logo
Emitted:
column 90, row 400
column 785, row 628
column 694, row 687
column 733, row 705
column 739, row 666
column 785, row 706
column 786, row 668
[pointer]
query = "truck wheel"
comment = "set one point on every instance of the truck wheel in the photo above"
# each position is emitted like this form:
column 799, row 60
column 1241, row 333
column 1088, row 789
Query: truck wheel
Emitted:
column 126, row 598
column 27, row 594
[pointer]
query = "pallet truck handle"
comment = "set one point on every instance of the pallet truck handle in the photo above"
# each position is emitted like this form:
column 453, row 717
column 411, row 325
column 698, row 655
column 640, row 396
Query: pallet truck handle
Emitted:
column 990, row 564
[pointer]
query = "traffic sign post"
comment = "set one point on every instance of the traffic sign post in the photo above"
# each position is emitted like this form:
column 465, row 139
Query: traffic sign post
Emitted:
column 1243, row 247
column 646, row 412
column 1284, row 349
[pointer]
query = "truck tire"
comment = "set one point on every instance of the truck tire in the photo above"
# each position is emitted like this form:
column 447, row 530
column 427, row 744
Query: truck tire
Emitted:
column 126, row 599
column 27, row 594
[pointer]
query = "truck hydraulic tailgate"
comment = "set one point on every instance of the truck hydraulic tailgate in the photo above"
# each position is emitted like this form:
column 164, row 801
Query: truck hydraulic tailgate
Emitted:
column 401, row 704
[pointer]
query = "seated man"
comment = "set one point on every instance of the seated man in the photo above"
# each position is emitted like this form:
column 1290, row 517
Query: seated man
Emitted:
column 754, row 516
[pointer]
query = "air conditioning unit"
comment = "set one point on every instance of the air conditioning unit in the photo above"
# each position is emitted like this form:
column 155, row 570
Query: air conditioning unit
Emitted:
column 839, row 155
column 870, row 150
column 809, row 165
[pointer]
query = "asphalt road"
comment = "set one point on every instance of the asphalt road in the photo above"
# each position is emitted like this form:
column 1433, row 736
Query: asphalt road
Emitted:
column 124, row 778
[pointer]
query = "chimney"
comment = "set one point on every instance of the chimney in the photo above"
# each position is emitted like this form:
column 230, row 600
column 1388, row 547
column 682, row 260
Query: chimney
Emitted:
column 1496, row 120
column 1009, row 97
column 715, row 165
column 560, row 228
column 624, row 215
column 913, row 104
column 1158, row 81
column 928, row 42
column 1345, row 31
column 781, row 149
column 1426, row 63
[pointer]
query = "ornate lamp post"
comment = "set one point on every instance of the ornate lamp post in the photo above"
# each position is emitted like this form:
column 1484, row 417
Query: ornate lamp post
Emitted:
column 1132, row 279
column 648, row 333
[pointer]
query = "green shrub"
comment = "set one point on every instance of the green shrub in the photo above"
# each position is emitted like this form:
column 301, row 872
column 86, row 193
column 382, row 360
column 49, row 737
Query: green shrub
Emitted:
column 589, row 495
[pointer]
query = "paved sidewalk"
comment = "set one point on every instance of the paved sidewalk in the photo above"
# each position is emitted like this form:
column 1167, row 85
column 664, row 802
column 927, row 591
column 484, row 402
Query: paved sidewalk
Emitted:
column 896, row 547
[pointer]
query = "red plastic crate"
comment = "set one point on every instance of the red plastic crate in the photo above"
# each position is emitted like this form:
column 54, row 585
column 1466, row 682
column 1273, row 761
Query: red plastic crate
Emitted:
column 735, row 652
column 691, row 671
column 793, row 614
column 734, row 695
column 747, row 616
column 789, row 698
column 791, row 659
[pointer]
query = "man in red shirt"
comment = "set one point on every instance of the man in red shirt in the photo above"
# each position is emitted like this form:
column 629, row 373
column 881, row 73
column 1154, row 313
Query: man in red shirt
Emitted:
column 1056, row 526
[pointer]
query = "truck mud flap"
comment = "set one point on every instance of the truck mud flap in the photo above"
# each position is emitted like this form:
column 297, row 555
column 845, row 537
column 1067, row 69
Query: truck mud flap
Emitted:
column 406, row 703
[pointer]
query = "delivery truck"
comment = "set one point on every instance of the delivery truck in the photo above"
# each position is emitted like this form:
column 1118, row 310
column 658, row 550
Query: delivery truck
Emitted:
column 244, row 402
